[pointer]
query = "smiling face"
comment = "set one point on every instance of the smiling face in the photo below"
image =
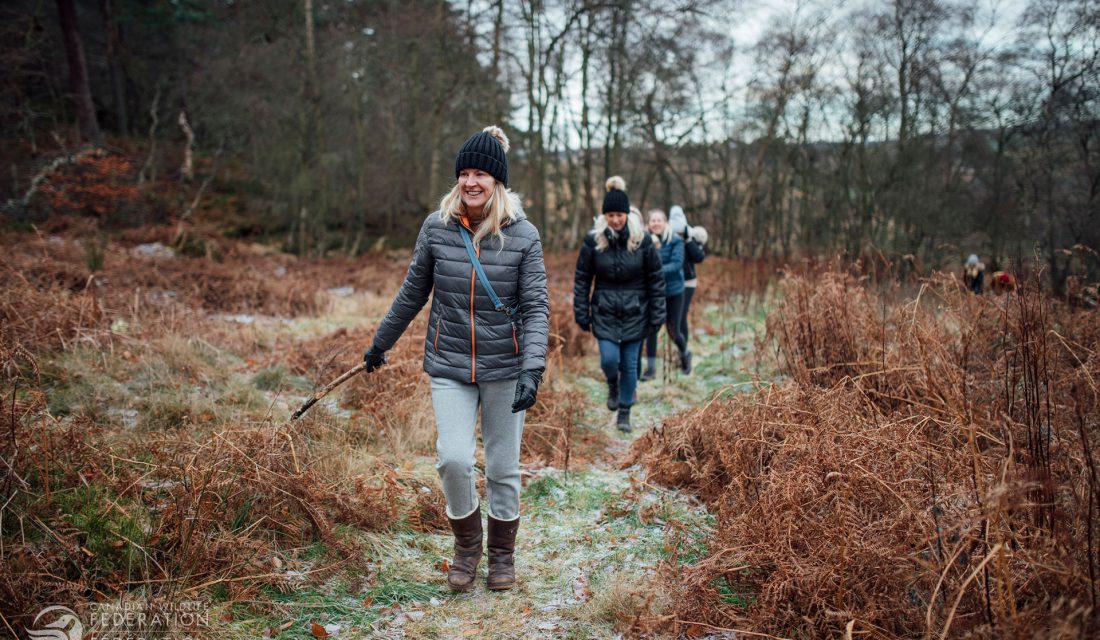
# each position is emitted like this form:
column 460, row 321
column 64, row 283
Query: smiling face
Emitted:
column 657, row 222
column 616, row 220
column 475, row 187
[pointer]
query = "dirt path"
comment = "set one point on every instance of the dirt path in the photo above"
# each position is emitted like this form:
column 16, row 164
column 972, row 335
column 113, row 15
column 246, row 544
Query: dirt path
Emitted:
column 588, row 543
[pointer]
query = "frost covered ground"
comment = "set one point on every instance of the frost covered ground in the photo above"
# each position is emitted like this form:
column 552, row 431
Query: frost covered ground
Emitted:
column 588, row 545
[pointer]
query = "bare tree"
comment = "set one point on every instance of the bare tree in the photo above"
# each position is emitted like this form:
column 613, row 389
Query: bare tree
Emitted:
column 78, row 71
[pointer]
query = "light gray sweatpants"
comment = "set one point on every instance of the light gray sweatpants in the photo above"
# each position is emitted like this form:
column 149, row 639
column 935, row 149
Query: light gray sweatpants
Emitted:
column 456, row 406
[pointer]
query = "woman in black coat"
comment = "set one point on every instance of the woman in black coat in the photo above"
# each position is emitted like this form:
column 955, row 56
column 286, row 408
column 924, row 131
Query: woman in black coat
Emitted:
column 628, row 300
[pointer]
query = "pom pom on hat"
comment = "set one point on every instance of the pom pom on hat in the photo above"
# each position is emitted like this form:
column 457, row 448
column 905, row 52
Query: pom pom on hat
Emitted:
column 485, row 150
column 699, row 234
column 616, row 200
column 498, row 133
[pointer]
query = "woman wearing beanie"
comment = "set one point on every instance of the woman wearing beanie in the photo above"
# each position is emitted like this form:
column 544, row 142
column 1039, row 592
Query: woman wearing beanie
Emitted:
column 672, row 266
column 628, row 299
column 695, row 238
column 483, row 357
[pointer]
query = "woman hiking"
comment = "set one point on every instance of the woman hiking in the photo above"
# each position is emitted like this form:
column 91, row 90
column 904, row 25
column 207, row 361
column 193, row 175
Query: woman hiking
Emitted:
column 483, row 356
column 672, row 266
column 695, row 238
column 628, row 299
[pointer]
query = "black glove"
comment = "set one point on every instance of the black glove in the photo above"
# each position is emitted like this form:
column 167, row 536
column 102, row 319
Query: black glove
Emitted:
column 585, row 326
column 527, row 388
column 374, row 357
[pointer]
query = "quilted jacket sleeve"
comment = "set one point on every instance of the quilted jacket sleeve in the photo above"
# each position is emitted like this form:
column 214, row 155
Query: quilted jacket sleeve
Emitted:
column 654, row 284
column 534, row 306
column 676, row 260
column 413, row 295
column 582, row 281
column 693, row 251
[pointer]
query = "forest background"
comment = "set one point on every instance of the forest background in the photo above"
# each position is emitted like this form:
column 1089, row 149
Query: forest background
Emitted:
column 917, row 131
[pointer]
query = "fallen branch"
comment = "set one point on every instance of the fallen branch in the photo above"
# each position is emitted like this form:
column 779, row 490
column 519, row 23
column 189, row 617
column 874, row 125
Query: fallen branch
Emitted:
column 47, row 171
column 155, row 120
column 187, row 171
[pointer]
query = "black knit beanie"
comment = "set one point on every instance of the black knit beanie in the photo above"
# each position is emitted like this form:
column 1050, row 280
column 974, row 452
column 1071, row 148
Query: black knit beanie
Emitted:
column 615, row 199
column 485, row 150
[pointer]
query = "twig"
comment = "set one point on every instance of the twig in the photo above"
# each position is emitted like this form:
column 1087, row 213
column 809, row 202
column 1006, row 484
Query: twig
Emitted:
column 962, row 588
column 329, row 387
column 5, row 620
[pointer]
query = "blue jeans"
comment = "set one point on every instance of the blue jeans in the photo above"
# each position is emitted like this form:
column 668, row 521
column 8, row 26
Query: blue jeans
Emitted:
column 620, row 361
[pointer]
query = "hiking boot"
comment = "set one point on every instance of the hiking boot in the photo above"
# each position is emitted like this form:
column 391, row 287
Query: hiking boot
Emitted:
column 623, row 421
column 467, row 551
column 648, row 374
column 501, row 544
column 685, row 362
column 612, row 395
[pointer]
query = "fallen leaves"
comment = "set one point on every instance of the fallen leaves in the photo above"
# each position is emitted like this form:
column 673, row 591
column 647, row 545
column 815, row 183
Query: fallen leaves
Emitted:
column 271, row 632
column 581, row 592
column 324, row 631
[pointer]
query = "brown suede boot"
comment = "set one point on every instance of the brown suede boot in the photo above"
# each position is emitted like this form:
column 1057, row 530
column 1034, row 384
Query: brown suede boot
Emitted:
column 467, row 551
column 501, row 544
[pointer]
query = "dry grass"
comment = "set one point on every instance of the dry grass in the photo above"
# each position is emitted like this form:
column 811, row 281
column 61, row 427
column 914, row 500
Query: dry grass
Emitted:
column 203, row 494
column 198, row 490
column 176, row 513
column 926, row 472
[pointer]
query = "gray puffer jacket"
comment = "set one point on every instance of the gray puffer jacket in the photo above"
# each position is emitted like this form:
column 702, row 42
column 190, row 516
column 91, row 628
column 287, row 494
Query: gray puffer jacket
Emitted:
column 468, row 340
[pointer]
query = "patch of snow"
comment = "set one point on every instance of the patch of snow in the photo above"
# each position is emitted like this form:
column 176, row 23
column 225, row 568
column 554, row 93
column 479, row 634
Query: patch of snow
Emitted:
column 160, row 297
column 149, row 483
column 120, row 326
column 241, row 318
column 154, row 250
column 342, row 292
column 128, row 416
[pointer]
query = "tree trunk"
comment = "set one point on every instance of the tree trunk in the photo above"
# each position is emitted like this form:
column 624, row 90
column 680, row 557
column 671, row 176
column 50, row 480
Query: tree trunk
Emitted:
column 78, row 71
column 588, row 183
column 114, row 67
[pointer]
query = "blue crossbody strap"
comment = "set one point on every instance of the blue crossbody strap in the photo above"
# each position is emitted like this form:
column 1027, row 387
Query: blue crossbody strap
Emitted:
column 497, row 304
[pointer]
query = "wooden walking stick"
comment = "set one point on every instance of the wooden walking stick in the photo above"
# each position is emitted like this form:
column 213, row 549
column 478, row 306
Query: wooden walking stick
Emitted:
column 350, row 373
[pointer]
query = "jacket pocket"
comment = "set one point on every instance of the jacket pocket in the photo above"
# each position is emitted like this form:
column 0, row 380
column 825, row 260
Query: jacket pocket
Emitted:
column 438, row 325
column 632, row 305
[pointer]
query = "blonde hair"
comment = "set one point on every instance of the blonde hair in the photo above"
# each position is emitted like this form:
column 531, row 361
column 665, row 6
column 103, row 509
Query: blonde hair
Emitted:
column 666, row 235
column 502, row 207
column 633, row 224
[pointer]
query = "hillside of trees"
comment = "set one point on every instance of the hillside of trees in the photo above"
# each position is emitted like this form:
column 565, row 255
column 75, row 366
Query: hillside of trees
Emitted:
column 918, row 131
